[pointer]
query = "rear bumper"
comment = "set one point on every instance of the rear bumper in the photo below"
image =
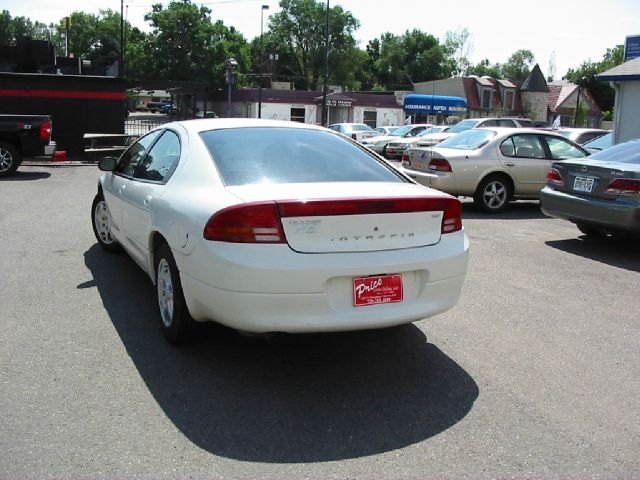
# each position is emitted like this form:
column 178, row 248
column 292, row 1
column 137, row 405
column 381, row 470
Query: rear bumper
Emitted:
column 296, row 293
column 619, row 214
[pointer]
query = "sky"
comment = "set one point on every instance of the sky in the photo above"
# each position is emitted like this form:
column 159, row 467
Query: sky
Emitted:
column 566, row 31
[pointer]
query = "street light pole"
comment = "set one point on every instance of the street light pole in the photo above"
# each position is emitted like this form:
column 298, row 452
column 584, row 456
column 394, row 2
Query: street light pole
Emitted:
column 326, row 72
column 230, row 64
column 264, row 7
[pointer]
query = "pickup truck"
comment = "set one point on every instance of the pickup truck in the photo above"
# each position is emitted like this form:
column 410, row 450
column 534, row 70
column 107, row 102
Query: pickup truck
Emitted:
column 154, row 107
column 23, row 136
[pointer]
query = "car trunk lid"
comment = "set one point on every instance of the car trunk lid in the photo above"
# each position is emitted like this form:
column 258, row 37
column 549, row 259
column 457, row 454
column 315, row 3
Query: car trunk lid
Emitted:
column 592, row 178
column 347, row 217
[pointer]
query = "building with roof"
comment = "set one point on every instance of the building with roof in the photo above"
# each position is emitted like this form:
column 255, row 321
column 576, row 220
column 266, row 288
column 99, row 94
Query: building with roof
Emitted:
column 485, row 96
column 534, row 93
column 625, row 80
column 563, row 101
column 534, row 98
column 374, row 109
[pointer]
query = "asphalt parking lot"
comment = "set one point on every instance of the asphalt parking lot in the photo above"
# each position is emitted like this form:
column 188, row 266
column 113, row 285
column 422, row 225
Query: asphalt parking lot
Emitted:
column 534, row 374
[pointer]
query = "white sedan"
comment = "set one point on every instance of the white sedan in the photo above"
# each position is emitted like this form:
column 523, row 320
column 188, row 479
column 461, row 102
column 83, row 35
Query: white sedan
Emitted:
column 269, row 226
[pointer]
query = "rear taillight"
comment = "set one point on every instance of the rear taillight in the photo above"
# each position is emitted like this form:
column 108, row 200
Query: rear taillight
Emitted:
column 624, row 186
column 439, row 164
column 554, row 178
column 405, row 161
column 452, row 218
column 45, row 130
column 246, row 223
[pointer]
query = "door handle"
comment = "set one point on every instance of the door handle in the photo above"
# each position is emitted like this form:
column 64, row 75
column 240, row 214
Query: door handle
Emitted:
column 510, row 164
column 121, row 189
column 146, row 200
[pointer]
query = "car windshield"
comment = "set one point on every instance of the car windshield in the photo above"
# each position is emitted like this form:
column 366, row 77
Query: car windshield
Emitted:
column 601, row 142
column 399, row 132
column 463, row 125
column 468, row 140
column 628, row 152
column 429, row 131
column 246, row 156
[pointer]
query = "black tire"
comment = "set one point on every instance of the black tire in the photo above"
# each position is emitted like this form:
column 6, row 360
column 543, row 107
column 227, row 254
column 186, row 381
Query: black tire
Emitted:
column 590, row 232
column 384, row 151
column 101, row 222
column 177, row 325
column 10, row 159
column 493, row 194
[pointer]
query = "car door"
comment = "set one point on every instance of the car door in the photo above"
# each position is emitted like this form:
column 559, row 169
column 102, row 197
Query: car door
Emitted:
column 524, row 157
column 145, row 188
column 116, row 183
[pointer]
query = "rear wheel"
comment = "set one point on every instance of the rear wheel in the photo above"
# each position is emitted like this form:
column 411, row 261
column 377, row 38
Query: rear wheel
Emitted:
column 175, row 320
column 101, row 221
column 493, row 194
column 10, row 159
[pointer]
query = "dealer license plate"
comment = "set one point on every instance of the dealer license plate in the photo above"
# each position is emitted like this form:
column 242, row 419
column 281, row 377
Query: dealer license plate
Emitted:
column 377, row 290
column 583, row 184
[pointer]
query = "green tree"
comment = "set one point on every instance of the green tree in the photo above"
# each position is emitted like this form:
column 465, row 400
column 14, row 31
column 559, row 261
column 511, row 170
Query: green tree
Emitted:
column 602, row 93
column 185, row 45
column 457, row 48
column 484, row 68
column 299, row 28
column 400, row 61
column 13, row 29
column 518, row 66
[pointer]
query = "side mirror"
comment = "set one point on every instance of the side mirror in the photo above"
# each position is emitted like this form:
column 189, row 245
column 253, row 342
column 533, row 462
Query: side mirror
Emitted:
column 108, row 164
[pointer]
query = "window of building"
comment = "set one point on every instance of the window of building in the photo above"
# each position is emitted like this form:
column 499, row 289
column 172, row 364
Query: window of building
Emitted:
column 509, row 99
column 486, row 98
column 370, row 118
column 297, row 115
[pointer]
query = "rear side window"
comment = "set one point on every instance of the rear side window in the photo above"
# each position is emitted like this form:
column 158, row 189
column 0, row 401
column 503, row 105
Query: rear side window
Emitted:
column 247, row 156
column 523, row 146
column 561, row 149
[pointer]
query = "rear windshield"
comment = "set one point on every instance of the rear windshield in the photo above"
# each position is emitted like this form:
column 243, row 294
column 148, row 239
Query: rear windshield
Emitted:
column 360, row 128
column 468, row 140
column 247, row 156
column 628, row 152
column 463, row 125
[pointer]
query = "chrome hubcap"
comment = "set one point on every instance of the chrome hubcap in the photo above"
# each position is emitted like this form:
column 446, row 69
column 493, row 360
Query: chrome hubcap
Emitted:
column 102, row 219
column 495, row 194
column 165, row 292
column 5, row 160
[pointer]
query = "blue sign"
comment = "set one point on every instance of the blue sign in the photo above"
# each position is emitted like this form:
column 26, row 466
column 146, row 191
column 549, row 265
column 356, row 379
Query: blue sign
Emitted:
column 631, row 47
column 417, row 103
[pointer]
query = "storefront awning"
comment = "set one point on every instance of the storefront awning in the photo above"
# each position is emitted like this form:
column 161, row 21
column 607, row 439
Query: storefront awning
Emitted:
column 418, row 103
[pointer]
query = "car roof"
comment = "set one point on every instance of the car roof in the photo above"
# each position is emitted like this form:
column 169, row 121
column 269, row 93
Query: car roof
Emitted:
column 506, row 131
column 206, row 124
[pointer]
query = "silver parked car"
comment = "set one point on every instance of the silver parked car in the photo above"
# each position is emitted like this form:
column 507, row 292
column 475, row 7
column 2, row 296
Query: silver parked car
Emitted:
column 600, row 194
column 469, row 123
column 395, row 148
column 379, row 143
column 355, row 131
column 492, row 165
column 581, row 135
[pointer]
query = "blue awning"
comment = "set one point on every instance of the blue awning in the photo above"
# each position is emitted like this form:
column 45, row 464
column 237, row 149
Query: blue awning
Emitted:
column 418, row 103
